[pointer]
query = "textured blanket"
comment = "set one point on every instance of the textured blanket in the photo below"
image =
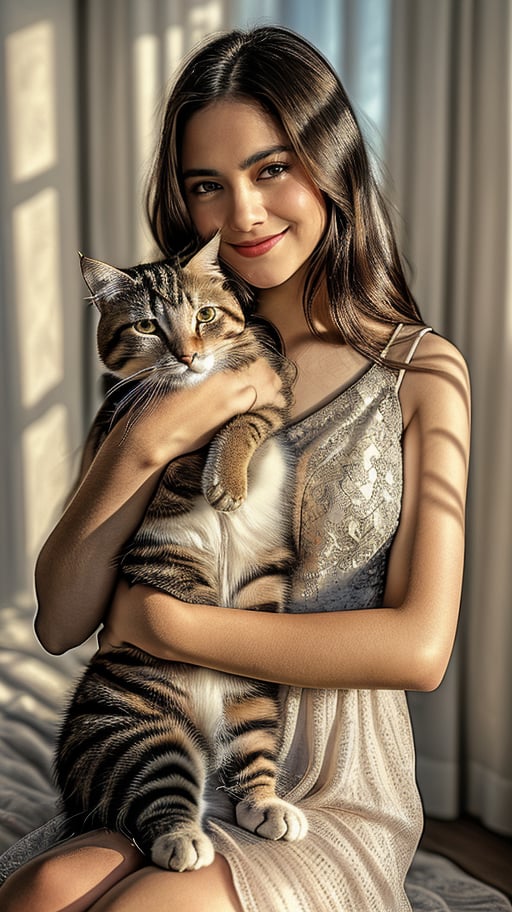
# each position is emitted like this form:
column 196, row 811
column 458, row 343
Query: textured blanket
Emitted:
column 33, row 686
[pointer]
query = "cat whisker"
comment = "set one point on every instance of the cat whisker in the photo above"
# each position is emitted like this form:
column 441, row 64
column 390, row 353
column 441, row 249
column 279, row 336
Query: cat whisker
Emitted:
column 146, row 373
column 92, row 299
column 131, row 377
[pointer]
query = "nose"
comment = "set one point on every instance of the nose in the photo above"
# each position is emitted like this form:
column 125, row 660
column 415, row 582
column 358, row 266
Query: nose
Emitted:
column 188, row 359
column 246, row 209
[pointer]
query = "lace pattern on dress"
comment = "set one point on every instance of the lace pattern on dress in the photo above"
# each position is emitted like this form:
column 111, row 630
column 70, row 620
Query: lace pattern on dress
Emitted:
column 349, row 484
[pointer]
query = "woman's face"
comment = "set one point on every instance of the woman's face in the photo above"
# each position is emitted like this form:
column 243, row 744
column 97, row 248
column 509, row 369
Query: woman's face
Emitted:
column 241, row 177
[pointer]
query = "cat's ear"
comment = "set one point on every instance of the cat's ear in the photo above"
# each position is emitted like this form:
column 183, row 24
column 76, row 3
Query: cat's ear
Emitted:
column 104, row 281
column 206, row 260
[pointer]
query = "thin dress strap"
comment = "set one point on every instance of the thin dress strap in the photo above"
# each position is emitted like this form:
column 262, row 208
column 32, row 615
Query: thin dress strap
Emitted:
column 390, row 341
column 410, row 354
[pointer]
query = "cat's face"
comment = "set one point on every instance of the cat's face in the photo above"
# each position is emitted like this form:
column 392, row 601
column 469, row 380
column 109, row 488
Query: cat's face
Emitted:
column 177, row 320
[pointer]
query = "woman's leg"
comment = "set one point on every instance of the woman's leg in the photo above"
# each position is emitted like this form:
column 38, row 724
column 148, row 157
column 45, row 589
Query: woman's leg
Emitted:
column 71, row 876
column 210, row 889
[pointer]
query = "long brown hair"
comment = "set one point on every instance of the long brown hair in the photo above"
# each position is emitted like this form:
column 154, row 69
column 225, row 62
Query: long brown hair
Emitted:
column 295, row 85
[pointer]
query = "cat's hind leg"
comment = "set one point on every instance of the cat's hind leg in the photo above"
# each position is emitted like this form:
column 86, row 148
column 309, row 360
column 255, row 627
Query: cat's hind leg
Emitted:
column 185, row 848
column 272, row 818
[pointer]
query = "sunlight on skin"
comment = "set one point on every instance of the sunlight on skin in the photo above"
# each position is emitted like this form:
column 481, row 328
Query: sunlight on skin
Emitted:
column 90, row 870
column 45, row 454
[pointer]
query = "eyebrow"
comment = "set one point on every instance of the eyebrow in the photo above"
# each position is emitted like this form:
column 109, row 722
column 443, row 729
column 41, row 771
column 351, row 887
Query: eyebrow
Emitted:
column 246, row 163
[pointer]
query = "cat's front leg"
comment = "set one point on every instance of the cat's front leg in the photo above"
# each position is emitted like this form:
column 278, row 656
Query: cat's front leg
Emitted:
column 249, row 770
column 226, row 469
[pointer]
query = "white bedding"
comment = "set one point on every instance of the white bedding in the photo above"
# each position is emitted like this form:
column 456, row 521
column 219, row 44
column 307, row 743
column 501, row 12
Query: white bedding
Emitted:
column 33, row 687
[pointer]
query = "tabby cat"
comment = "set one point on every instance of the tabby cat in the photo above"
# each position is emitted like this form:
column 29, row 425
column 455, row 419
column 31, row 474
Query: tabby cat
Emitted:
column 142, row 738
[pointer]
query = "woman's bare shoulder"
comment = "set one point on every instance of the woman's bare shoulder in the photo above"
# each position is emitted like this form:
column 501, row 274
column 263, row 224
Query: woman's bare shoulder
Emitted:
column 440, row 383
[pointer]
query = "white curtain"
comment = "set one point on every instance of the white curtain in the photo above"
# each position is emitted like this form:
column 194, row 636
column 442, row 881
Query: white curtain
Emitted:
column 433, row 82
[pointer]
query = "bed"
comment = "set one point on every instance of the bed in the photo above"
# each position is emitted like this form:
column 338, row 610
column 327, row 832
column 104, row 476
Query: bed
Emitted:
column 33, row 688
column 33, row 685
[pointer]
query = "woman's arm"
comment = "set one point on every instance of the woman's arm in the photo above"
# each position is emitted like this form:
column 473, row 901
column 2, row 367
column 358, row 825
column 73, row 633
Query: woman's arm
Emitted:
column 76, row 571
column 406, row 644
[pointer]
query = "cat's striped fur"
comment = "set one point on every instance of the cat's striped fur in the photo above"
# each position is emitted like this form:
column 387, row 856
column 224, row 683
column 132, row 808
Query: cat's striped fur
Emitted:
column 143, row 739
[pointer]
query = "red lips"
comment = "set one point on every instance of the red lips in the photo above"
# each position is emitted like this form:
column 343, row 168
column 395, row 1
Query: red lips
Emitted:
column 258, row 247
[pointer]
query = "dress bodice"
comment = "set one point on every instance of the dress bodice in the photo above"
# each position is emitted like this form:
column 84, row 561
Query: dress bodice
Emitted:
column 348, row 463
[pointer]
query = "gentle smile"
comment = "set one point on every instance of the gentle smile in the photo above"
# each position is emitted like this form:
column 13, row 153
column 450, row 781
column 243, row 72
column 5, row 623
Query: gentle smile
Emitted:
column 258, row 247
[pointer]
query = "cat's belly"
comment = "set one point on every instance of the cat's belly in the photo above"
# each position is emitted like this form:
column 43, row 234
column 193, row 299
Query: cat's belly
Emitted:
column 253, row 534
column 241, row 542
column 207, row 693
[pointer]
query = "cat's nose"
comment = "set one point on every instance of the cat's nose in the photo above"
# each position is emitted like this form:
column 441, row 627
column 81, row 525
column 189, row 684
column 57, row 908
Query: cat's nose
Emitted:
column 188, row 359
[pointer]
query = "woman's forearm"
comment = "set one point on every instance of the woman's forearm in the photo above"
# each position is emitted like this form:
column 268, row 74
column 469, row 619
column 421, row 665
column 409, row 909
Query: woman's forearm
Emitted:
column 372, row 648
column 76, row 571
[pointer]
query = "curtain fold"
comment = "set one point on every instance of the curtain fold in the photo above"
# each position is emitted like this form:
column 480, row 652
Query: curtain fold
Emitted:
column 434, row 76
column 488, row 632
column 450, row 157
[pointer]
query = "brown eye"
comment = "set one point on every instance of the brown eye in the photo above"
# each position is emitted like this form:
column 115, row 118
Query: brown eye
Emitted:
column 206, row 314
column 145, row 327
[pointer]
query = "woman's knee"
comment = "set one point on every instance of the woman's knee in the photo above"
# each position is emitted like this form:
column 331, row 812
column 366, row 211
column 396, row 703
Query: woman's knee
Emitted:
column 73, row 875
column 210, row 889
column 37, row 885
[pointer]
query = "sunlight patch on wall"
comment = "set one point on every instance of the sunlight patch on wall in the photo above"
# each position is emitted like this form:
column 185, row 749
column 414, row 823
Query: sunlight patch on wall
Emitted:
column 146, row 95
column 38, row 296
column 30, row 81
column 147, row 90
column 371, row 66
column 204, row 18
column 174, row 47
column 199, row 22
column 45, row 455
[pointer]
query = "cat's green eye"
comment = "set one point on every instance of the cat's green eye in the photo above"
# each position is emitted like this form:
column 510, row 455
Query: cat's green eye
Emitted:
column 206, row 314
column 146, row 327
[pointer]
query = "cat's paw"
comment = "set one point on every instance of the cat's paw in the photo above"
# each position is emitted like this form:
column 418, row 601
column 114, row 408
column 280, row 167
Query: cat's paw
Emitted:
column 185, row 850
column 224, row 480
column 272, row 818
column 220, row 498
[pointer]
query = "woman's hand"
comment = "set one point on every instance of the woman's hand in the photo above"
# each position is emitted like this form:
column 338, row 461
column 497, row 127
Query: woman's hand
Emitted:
column 126, row 621
column 186, row 420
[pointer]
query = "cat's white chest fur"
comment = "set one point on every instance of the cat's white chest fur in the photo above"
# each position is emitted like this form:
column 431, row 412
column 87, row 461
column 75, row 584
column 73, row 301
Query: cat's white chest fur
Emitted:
column 259, row 526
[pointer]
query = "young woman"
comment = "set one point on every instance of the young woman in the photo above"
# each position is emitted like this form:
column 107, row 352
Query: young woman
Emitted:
column 260, row 143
